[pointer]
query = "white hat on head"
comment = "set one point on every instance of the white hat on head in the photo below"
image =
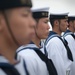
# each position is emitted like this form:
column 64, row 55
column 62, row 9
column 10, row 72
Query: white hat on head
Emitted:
column 40, row 12
column 59, row 15
column 40, row 9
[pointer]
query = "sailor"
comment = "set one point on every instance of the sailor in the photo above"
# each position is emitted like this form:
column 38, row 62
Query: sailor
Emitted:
column 55, row 47
column 41, row 15
column 70, row 38
column 16, row 29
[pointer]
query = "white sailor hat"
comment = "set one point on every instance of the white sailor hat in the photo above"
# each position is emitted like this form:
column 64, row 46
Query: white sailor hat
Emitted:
column 59, row 15
column 40, row 12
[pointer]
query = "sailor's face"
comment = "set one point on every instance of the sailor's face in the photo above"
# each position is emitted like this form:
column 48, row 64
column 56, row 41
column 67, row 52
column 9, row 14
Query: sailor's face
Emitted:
column 22, row 25
column 63, row 24
column 42, row 28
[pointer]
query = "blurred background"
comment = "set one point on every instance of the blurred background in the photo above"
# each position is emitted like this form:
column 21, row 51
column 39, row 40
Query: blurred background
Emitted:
column 64, row 5
column 56, row 5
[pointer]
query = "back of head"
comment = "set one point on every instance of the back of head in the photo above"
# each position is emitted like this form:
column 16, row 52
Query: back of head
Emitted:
column 39, row 13
column 57, row 16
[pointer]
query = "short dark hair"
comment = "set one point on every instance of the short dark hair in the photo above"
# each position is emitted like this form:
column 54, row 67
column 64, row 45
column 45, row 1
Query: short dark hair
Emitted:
column 37, row 20
column 52, row 21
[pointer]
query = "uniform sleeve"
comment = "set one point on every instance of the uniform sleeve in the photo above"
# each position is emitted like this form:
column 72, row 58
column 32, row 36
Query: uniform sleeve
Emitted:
column 53, row 53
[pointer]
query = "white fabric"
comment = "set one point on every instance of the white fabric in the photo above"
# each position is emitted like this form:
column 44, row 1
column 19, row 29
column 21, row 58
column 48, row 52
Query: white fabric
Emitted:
column 35, row 65
column 71, row 44
column 58, row 54
column 59, row 13
column 19, row 66
column 42, row 47
column 2, row 72
column 40, row 9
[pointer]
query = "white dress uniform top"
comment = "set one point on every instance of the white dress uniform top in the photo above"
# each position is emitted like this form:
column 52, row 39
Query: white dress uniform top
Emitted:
column 71, row 43
column 19, row 66
column 35, row 65
column 57, row 52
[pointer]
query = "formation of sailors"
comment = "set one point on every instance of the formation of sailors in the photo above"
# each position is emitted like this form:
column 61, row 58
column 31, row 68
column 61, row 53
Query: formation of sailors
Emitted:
column 21, row 50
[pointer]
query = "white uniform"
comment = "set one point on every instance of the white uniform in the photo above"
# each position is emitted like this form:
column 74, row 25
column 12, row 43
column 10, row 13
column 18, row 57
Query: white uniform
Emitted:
column 19, row 66
column 57, row 52
column 71, row 44
column 35, row 65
